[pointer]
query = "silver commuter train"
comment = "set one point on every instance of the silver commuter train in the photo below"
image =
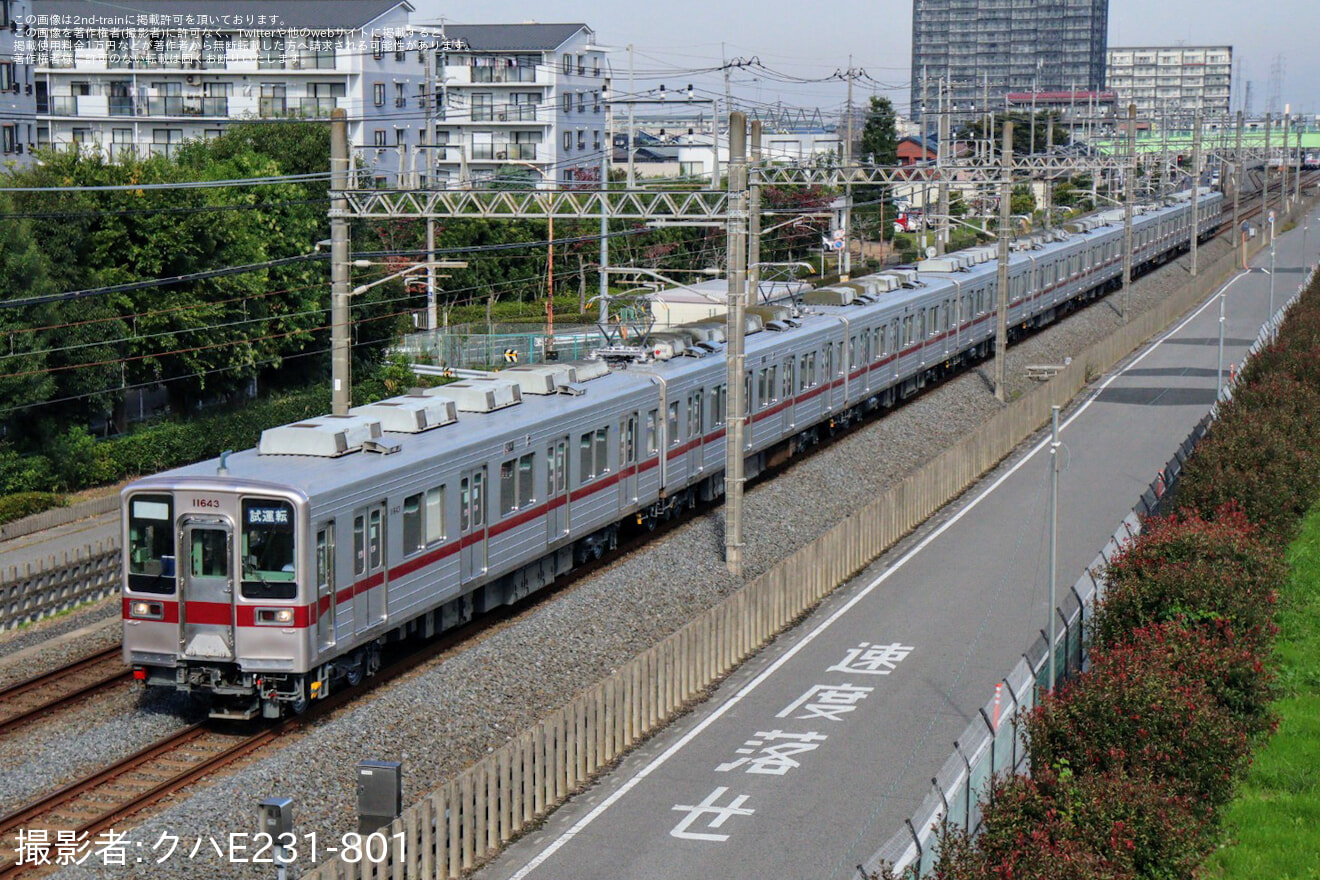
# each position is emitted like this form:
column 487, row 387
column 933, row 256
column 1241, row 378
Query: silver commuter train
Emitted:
column 267, row 577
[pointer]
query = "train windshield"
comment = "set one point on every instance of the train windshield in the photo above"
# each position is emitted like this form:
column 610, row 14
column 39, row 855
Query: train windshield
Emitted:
column 151, row 544
column 269, row 561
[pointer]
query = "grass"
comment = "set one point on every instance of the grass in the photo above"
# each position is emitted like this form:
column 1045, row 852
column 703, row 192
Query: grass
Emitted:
column 1274, row 824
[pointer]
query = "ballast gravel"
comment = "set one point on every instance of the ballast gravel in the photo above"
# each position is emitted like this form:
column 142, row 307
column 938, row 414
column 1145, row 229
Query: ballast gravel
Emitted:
column 440, row 718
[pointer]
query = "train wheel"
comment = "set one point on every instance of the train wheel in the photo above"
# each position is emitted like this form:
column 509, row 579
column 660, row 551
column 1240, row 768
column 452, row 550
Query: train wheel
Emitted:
column 298, row 706
column 353, row 675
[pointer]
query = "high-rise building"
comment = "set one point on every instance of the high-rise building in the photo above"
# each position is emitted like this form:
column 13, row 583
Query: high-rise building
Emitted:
column 1172, row 80
column 984, row 49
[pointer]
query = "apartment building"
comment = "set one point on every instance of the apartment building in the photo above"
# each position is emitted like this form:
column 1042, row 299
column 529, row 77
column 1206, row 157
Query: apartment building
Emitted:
column 143, row 78
column 984, row 49
column 18, row 103
column 520, row 101
column 1175, row 81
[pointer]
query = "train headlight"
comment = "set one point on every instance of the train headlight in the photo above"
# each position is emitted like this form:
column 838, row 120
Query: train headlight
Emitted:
column 275, row 616
column 146, row 610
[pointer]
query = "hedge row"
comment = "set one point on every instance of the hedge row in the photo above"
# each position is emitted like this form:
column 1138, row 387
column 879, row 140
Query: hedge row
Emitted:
column 1134, row 760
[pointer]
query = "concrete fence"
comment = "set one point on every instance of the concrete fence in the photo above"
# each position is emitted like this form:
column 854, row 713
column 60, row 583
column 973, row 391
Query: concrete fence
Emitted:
column 469, row 818
column 59, row 516
column 992, row 742
column 58, row 583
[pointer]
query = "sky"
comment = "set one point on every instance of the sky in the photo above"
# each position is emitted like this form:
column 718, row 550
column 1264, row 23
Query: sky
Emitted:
column 814, row 40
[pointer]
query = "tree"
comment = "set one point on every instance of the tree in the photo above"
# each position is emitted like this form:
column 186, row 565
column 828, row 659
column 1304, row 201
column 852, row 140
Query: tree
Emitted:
column 880, row 133
column 24, row 272
column 1022, row 129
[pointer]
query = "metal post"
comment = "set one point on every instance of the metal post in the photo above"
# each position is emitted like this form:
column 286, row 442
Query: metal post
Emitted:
column 736, row 416
column 1129, row 192
column 605, row 230
column 1054, row 534
column 1001, row 304
column 754, row 221
column 632, row 131
column 1219, row 373
column 341, row 396
column 1049, row 178
column 1271, row 314
column 1196, row 189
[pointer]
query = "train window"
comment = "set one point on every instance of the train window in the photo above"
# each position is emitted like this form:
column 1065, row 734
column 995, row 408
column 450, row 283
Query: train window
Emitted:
column 788, row 378
column 509, row 486
column 829, row 362
column 325, row 557
column 526, row 475
column 412, row 524
column 268, row 550
column 479, row 498
column 556, row 467
column 374, row 539
column 771, row 385
column 602, row 450
column 877, row 342
column 696, row 413
column 674, row 437
column 433, row 522
column 652, row 441
column 747, row 390
column 586, row 460
column 151, row 544
column 933, row 320
column 359, row 545
column 719, row 402
column 208, row 556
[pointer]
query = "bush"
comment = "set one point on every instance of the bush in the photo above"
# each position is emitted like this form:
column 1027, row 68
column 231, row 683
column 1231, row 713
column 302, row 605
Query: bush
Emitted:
column 22, row 504
column 1060, row 825
column 1259, row 454
column 80, row 460
column 1136, row 713
column 25, row 473
column 1188, row 569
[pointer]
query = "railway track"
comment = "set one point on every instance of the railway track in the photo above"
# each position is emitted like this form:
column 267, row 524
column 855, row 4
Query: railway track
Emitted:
column 27, row 700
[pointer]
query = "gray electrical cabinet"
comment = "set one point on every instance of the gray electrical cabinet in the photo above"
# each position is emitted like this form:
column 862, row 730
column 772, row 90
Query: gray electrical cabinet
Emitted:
column 380, row 794
column 276, row 818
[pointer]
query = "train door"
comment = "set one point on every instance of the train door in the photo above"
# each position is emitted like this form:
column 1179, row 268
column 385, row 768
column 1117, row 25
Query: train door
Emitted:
column 326, row 605
column 369, row 568
column 628, row 461
column 472, row 523
column 206, row 590
column 556, row 490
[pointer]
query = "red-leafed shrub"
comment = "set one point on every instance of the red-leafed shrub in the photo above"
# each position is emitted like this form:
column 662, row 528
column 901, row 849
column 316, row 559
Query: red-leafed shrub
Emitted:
column 1192, row 570
column 1104, row 825
column 1136, row 712
column 1261, row 455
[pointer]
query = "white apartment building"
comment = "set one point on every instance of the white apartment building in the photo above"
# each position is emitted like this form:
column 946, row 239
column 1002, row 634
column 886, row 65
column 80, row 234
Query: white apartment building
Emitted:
column 520, row 101
column 18, row 103
column 1175, row 81
column 146, row 76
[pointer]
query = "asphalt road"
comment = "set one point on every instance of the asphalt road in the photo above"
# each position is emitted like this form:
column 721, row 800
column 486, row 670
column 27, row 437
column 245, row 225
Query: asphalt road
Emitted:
column 37, row 547
column 810, row 757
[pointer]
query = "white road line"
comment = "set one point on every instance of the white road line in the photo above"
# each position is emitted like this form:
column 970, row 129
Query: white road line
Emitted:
column 719, row 712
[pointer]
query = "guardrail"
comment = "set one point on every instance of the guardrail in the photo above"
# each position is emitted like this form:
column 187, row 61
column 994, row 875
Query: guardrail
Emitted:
column 988, row 745
column 468, row 819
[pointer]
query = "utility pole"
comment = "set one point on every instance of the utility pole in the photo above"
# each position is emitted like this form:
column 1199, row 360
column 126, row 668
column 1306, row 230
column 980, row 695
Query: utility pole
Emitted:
column 847, row 186
column 1237, row 179
column 1054, row 535
column 754, row 220
column 1129, row 192
column 1005, row 217
column 632, row 131
column 736, row 399
column 605, row 223
column 1196, row 188
column 341, row 396
column 427, row 131
column 1283, row 191
column 1049, row 179
column 1265, row 185
column 941, row 162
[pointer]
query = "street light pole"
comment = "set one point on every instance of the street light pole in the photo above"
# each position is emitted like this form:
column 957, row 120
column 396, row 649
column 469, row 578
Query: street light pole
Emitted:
column 1196, row 189
column 1001, row 298
column 1129, row 193
column 1054, row 535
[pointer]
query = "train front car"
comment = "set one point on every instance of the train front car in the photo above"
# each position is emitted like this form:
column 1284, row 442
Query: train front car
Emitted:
column 218, row 594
